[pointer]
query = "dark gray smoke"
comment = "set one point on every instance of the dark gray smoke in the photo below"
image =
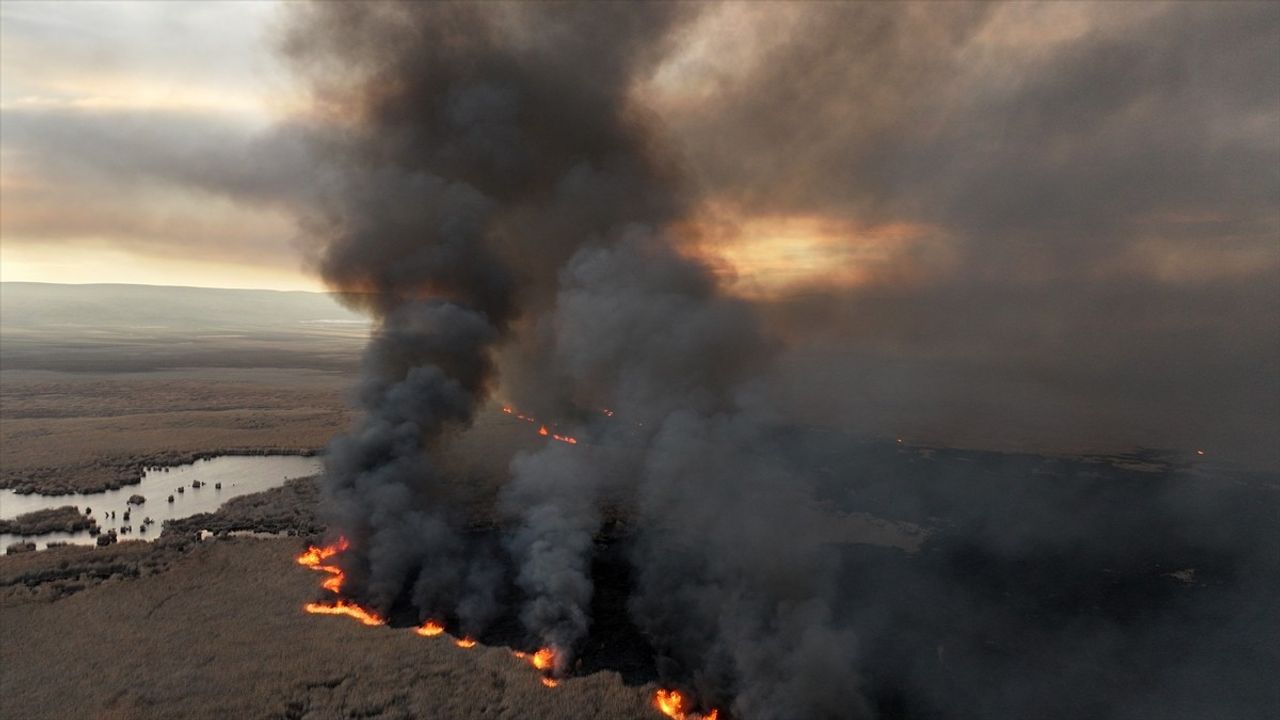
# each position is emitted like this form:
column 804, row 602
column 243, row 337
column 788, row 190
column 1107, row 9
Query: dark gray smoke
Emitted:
column 497, row 185
column 732, row 585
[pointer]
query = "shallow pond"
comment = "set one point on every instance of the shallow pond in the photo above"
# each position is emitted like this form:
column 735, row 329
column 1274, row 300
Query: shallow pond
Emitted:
column 239, row 475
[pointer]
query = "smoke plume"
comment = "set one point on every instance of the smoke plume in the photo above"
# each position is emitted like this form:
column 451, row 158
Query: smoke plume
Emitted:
column 496, row 185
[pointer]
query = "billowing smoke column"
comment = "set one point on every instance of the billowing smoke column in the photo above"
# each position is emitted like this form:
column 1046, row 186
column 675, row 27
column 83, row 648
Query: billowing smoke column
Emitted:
column 497, row 186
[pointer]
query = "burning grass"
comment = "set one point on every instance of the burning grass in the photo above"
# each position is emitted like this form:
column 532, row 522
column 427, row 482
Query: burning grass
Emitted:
column 542, row 429
column 675, row 705
column 671, row 703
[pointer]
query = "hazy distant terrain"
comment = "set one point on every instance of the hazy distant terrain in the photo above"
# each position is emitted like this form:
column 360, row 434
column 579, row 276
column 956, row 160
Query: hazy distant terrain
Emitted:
column 134, row 328
column 98, row 380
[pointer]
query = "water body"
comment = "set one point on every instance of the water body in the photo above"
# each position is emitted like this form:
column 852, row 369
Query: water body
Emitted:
column 239, row 475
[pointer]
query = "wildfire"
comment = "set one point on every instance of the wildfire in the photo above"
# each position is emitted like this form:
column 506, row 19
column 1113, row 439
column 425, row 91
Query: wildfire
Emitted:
column 542, row 429
column 314, row 559
column 316, row 555
column 343, row 607
column 429, row 628
column 465, row 642
column 544, row 659
column 519, row 416
column 672, row 704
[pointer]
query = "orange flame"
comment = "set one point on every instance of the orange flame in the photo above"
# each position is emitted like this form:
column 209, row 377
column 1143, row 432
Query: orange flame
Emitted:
column 316, row 555
column 672, row 704
column 465, row 642
column 544, row 659
column 542, row 429
column 343, row 607
column 314, row 559
column 430, row 628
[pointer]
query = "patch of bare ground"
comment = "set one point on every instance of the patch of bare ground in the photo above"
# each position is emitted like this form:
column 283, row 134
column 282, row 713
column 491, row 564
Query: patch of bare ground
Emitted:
column 221, row 634
column 66, row 433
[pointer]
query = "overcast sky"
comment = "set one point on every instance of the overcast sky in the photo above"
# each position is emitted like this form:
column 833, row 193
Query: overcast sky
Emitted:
column 121, row 125
column 1070, row 205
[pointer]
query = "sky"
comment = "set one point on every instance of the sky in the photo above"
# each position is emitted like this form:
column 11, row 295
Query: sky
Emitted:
column 1068, row 213
column 122, row 125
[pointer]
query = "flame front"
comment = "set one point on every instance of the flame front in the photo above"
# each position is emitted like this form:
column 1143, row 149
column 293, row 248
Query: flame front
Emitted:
column 672, row 704
column 314, row 559
column 465, row 642
column 544, row 660
column 343, row 607
column 316, row 555
column 542, row 429
column 429, row 628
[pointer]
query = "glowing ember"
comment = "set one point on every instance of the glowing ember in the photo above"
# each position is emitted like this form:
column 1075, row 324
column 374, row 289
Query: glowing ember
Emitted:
column 342, row 607
column 465, row 642
column 1199, row 452
column 429, row 628
column 564, row 439
column 543, row 431
column 672, row 704
column 550, row 682
column 607, row 412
